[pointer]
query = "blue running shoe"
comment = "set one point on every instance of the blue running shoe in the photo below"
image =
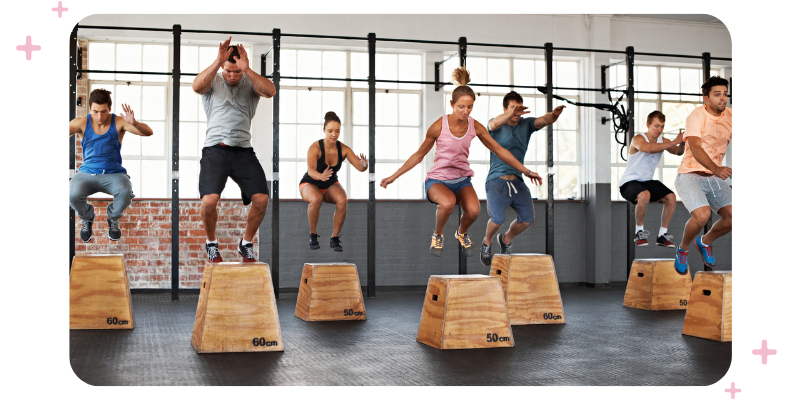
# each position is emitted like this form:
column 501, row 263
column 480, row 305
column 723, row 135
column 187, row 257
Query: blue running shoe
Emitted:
column 681, row 261
column 707, row 252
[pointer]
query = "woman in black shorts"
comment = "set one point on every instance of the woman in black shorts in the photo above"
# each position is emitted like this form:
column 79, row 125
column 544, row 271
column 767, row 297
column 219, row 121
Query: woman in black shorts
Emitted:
column 320, row 183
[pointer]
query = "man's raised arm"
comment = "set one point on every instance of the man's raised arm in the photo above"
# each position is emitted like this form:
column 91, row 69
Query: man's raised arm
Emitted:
column 202, row 82
column 263, row 86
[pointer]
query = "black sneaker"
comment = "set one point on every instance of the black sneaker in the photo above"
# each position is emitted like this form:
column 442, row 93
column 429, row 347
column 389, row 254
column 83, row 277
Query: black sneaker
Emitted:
column 335, row 244
column 113, row 230
column 486, row 254
column 504, row 248
column 247, row 253
column 213, row 253
column 313, row 243
column 86, row 230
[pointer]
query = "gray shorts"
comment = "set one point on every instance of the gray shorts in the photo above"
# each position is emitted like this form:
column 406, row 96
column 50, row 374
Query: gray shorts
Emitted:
column 703, row 191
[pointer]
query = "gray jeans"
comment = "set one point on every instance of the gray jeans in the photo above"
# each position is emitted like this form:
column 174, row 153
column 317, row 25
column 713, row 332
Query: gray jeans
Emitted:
column 82, row 185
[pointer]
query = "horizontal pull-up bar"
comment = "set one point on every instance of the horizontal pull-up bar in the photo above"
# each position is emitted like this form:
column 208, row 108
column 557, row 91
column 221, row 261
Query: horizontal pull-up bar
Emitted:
column 681, row 56
column 322, row 36
column 98, row 71
column 589, row 50
column 123, row 28
column 415, row 41
column 397, row 40
column 227, row 32
column 515, row 46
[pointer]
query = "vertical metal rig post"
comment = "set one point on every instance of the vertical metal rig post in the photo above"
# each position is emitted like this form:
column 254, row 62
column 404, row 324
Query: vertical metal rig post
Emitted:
column 706, row 77
column 631, row 220
column 176, row 107
column 462, row 259
column 276, row 108
column 549, row 215
column 371, row 203
column 73, row 98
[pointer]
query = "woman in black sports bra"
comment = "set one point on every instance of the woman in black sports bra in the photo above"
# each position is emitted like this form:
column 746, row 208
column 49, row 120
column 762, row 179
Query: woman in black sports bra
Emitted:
column 320, row 183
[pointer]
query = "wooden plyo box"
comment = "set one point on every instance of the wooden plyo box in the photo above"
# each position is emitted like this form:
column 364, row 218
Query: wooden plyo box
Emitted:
column 464, row 312
column 330, row 292
column 709, row 314
column 236, row 311
column 99, row 295
column 655, row 285
column 530, row 287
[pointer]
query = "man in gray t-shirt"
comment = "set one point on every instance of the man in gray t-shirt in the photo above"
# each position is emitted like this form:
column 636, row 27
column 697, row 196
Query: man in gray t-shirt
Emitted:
column 230, row 99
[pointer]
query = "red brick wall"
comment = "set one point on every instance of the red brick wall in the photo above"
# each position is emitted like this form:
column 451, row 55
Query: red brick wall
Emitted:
column 146, row 240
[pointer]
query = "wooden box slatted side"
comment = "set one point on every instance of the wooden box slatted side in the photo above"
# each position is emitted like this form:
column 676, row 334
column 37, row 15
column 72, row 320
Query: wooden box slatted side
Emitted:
column 709, row 312
column 237, row 310
column 99, row 293
column 530, row 287
column 334, row 293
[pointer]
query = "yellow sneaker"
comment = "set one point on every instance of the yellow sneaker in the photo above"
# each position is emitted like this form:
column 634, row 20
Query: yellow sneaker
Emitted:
column 437, row 245
column 466, row 243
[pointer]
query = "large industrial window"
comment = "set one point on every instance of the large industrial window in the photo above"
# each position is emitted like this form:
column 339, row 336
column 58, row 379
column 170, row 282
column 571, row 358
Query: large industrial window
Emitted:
column 489, row 104
column 147, row 158
column 675, row 107
column 303, row 104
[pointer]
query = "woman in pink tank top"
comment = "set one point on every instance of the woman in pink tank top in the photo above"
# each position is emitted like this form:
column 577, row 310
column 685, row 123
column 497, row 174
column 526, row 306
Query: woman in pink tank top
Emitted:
column 448, row 182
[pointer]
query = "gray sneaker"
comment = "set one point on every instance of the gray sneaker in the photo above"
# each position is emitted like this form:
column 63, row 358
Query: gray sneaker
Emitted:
column 504, row 248
column 86, row 230
column 486, row 254
column 113, row 230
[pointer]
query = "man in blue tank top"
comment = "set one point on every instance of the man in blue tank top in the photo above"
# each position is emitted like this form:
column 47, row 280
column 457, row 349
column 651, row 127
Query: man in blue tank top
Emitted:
column 504, row 185
column 229, row 99
column 101, row 135
column 637, row 184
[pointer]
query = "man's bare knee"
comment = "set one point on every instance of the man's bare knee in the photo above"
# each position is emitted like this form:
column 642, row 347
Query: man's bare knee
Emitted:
column 701, row 215
column 643, row 197
column 259, row 201
column 209, row 202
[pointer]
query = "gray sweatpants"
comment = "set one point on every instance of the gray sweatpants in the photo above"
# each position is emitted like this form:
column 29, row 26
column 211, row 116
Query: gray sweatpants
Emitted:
column 83, row 185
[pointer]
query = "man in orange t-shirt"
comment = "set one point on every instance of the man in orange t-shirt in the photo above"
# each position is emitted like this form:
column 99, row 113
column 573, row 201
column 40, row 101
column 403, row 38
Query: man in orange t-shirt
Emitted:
column 701, row 176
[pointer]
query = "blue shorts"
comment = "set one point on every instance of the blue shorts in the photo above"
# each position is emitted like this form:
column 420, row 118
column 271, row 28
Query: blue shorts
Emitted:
column 501, row 193
column 454, row 187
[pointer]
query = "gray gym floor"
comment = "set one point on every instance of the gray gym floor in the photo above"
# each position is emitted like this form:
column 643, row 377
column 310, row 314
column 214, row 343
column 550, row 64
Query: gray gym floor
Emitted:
column 602, row 343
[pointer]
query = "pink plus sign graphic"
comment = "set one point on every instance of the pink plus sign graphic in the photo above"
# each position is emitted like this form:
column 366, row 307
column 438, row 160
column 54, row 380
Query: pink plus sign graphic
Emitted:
column 60, row 9
column 764, row 352
column 28, row 48
column 733, row 390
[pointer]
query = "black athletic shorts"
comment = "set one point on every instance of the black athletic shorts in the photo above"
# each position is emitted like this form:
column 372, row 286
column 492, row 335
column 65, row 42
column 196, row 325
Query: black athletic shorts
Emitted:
column 240, row 163
column 630, row 190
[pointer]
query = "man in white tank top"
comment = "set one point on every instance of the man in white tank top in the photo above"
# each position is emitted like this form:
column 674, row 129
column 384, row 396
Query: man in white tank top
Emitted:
column 637, row 184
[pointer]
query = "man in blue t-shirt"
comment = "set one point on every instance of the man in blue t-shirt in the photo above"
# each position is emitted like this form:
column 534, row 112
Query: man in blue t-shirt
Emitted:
column 504, row 185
